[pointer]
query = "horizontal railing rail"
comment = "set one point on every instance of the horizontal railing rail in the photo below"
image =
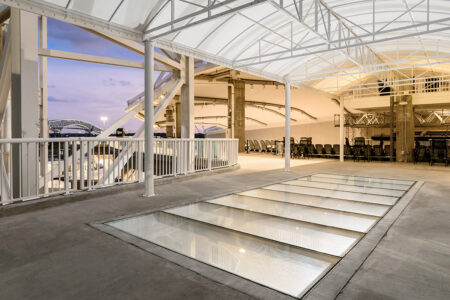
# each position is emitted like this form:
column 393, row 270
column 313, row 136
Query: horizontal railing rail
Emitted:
column 35, row 168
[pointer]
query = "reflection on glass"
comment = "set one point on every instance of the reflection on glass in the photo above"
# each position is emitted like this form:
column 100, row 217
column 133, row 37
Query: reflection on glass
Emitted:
column 317, row 201
column 290, row 270
column 391, row 186
column 333, row 218
column 309, row 236
column 367, row 179
column 284, row 236
column 386, row 200
column 346, row 188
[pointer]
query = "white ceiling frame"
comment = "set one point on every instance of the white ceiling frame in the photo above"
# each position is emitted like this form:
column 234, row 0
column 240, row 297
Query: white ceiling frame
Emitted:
column 346, row 40
column 75, row 18
column 388, row 66
column 204, row 14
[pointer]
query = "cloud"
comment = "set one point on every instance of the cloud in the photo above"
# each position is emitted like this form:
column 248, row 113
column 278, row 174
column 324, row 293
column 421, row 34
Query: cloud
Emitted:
column 59, row 100
column 112, row 82
column 75, row 36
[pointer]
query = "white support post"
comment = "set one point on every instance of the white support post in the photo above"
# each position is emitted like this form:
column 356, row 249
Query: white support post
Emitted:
column 149, row 117
column 43, row 101
column 24, row 97
column 287, row 138
column 341, row 130
column 187, row 99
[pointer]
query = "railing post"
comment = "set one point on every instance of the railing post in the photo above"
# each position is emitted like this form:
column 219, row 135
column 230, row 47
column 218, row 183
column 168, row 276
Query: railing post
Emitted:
column 81, row 164
column 174, row 160
column 66, row 167
column 138, row 161
column 210, row 155
column 185, row 156
column 89, row 164
column 74, row 166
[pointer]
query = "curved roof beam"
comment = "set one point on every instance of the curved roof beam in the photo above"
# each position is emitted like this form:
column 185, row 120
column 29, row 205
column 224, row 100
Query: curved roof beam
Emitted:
column 270, row 110
column 281, row 106
column 212, row 101
column 224, row 117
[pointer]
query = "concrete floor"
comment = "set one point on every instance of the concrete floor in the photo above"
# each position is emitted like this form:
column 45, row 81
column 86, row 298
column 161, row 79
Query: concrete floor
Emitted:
column 53, row 253
column 252, row 162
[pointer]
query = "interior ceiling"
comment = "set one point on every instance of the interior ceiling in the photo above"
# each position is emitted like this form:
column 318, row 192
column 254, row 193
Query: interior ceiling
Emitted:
column 281, row 40
column 317, row 107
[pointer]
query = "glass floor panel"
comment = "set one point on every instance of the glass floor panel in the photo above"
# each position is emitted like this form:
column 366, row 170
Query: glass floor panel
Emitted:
column 386, row 200
column 322, row 202
column 284, row 236
column 352, row 182
column 290, row 270
column 329, row 240
column 367, row 179
column 346, row 188
column 333, row 218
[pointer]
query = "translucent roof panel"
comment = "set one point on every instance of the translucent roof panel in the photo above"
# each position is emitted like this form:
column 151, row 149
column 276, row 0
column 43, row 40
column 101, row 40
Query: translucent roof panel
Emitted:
column 296, row 41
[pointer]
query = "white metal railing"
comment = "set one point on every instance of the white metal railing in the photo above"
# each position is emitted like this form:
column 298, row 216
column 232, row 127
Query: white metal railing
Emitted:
column 34, row 168
column 435, row 84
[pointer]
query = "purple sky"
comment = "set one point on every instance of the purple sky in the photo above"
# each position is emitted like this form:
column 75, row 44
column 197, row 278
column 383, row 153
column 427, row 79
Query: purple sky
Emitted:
column 86, row 91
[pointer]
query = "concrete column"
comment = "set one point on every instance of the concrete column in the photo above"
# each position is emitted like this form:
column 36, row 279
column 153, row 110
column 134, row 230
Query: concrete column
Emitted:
column 405, row 128
column 169, row 121
column 341, row 130
column 24, row 99
column 149, row 117
column 187, row 99
column 230, row 117
column 178, row 120
column 287, row 127
column 238, row 112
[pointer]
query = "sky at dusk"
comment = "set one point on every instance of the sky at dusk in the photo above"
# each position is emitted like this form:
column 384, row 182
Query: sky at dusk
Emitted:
column 87, row 91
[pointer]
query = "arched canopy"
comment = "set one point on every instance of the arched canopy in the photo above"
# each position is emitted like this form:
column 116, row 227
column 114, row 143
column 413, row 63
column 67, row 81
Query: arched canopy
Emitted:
column 284, row 40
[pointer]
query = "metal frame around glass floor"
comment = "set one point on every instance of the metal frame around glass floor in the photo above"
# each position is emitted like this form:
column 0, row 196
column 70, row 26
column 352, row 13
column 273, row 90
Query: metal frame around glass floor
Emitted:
column 284, row 236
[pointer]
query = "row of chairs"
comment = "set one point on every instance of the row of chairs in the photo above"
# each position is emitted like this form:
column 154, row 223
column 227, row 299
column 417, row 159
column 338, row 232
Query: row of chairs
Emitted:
column 437, row 151
column 355, row 152
column 261, row 146
column 305, row 149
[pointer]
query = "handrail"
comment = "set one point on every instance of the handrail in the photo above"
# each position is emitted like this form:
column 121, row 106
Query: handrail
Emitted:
column 87, row 163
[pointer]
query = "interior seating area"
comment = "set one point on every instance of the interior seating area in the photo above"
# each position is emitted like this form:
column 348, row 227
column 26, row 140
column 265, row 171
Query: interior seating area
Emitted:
column 432, row 151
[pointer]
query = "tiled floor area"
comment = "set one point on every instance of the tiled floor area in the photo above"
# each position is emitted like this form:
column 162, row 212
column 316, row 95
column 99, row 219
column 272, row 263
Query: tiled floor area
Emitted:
column 285, row 236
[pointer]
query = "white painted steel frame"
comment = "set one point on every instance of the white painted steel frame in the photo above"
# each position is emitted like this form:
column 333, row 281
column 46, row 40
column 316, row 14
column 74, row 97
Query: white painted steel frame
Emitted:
column 149, row 117
column 329, row 30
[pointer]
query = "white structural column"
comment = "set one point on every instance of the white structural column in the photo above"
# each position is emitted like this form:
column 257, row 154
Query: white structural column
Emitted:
column 287, row 136
column 187, row 98
column 24, row 99
column 149, row 117
column 341, row 130
column 43, row 101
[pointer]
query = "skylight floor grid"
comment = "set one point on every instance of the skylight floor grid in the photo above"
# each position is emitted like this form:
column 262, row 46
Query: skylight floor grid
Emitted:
column 285, row 236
